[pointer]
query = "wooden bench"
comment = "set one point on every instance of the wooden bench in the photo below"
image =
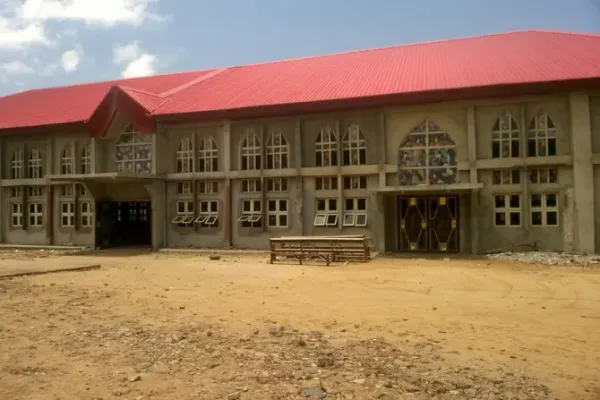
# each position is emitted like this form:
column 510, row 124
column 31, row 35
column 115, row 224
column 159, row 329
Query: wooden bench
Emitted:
column 327, row 248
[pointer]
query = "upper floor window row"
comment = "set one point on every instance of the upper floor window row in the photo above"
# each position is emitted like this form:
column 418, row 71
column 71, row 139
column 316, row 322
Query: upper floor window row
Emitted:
column 68, row 160
column 541, row 137
column 206, row 161
column 276, row 151
column 353, row 147
column 34, row 167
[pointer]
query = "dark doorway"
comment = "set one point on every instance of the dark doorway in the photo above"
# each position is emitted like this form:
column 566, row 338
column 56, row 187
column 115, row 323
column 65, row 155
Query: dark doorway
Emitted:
column 121, row 224
column 428, row 224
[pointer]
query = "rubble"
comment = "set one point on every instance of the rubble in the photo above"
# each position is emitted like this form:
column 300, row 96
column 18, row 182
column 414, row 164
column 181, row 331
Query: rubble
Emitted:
column 549, row 258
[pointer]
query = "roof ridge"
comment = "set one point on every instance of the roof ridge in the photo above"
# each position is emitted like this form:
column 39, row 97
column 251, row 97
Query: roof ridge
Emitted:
column 139, row 91
column 194, row 81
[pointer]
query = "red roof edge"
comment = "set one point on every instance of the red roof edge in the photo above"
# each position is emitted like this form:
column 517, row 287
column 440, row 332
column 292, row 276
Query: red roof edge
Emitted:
column 118, row 100
column 437, row 96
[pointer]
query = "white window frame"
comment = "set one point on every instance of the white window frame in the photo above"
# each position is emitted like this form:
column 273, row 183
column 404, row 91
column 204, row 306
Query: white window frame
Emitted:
column 36, row 214
column 86, row 160
column 326, row 148
column 16, row 215
column 506, row 131
column 67, row 214
column 278, row 212
column 35, row 164
column 17, row 164
column 250, row 151
column 544, row 208
column 277, row 185
column 507, row 209
column 354, row 182
column 184, row 156
column 356, row 215
column 326, row 216
column 86, row 214
column 208, row 155
column 277, row 151
column 208, row 215
column 543, row 175
column 506, row 176
column 326, row 183
column 184, row 216
column 539, row 130
column 67, row 161
column 129, row 150
column 354, row 145
column 252, row 215
column 251, row 185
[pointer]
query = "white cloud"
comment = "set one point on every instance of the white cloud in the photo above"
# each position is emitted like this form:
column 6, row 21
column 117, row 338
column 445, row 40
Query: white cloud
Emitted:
column 16, row 68
column 17, row 35
column 139, row 62
column 144, row 65
column 126, row 52
column 70, row 60
column 103, row 12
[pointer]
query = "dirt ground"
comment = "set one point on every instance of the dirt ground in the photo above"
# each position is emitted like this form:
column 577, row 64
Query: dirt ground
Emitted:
column 181, row 326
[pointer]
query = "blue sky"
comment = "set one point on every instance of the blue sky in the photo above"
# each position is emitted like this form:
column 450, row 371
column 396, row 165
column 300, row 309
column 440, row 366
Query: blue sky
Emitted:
column 56, row 42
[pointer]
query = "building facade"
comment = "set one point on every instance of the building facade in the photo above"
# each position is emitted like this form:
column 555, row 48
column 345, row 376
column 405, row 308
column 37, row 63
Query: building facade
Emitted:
column 456, row 176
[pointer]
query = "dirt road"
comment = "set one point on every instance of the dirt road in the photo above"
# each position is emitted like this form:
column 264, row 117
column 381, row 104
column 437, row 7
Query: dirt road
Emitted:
column 158, row 326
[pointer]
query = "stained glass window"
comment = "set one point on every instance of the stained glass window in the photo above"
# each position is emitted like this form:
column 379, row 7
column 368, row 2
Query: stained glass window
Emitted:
column 133, row 151
column 427, row 156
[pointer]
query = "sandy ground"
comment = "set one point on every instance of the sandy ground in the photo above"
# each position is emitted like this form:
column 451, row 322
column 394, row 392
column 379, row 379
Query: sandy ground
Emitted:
column 167, row 326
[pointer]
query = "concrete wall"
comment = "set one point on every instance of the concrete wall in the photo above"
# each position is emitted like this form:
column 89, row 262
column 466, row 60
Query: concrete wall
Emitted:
column 576, row 117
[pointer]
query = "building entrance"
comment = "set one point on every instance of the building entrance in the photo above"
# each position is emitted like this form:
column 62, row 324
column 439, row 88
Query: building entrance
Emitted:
column 123, row 224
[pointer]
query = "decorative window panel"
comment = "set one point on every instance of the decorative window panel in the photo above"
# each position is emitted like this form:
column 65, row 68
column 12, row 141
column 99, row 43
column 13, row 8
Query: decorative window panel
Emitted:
column 354, row 147
column 427, row 156
column 543, row 175
column 507, row 210
column 250, row 151
column 326, row 148
column 506, row 177
column 208, row 155
column 133, row 152
column 506, row 138
column 541, row 136
column 544, row 209
column 277, row 151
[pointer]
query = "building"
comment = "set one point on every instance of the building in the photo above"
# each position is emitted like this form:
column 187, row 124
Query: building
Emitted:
column 460, row 145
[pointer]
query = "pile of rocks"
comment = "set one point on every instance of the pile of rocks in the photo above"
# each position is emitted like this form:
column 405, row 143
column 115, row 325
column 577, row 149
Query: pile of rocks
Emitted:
column 549, row 258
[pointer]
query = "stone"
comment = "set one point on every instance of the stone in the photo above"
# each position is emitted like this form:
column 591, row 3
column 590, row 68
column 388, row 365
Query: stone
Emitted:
column 214, row 257
column 315, row 392
column 359, row 381
column 325, row 361
column 134, row 378
column 234, row 396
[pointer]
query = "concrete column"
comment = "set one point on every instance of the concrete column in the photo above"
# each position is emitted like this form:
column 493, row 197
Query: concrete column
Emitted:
column 377, row 198
column 3, row 204
column 228, row 198
column 94, row 155
column 525, row 206
column 474, row 197
column 583, row 172
column 299, row 201
column 159, row 214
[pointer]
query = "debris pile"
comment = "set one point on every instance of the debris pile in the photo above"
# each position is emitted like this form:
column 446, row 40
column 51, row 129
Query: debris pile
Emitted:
column 549, row 258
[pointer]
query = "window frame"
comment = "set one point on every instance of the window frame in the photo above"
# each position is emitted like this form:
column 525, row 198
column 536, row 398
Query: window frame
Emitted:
column 544, row 209
column 277, row 151
column 35, row 214
column 208, row 155
column 354, row 143
column 85, row 166
column 278, row 213
column 209, row 218
column 252, row 217
column 326, row 148
column 138, row 143
column 17, row 164
column 67, row 160
column 184, row 155
column 506, row 176
column 541, row 132
column 506, row 130
column 355, row 213
column 250, row 151
column 35, row 164
column 67, row 212
column 507, row 210
column 328, row 215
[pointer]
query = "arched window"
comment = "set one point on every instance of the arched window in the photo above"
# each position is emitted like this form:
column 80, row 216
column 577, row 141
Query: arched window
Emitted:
column 35, row 164
column 16, row 164
column 354, row 147
column 184, row 157
column 506, row 138
column 86, row 160
column 208, row 155
column 427, row 156
column 326, row 148
column 133, row 152
column 250, row 151
column 541, row 136
column 66, row 160
column 277, row 151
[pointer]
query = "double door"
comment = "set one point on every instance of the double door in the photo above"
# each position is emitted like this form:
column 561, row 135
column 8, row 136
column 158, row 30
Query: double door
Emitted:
column 428, row 224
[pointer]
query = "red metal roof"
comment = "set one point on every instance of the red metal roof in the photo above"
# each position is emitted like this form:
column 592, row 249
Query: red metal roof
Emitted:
column 518, row 58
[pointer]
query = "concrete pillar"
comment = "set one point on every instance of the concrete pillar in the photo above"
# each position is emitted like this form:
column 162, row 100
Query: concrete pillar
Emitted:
column 3, row 204
column 474, row 198
column 583, row 172
column 159, row 223
column 299, row 201
column 228, row 198
column 377, row 198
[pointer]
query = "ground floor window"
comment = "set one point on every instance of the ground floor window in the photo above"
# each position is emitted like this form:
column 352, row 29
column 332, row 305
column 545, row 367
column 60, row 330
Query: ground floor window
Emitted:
column 277, row 213
column 67, row 214
column 507, row 210
column 16, row 215
column 184, row 213
column 544, row 209
column 36, row 214
column 327, row 212
column 251, row 213
column 86, row 215
column 355, row 212
column 209, row 213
